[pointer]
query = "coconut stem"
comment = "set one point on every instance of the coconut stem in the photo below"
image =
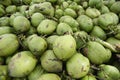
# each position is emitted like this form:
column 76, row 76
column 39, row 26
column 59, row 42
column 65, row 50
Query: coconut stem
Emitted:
column 106, row 44
column 94, row 67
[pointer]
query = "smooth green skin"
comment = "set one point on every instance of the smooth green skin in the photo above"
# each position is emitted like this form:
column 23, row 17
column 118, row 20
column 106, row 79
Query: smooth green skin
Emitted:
column 50, row 40
column 4, row 21
column 107, row 19
column 70, row 12
column 47, row 27
column 46, row 8
column 89, row 77
column 78, row 66
column 70, row 21
column 11, row 9
column 6, row 30
column 85, row 23
column 80, row 7
column 81, row 11
column 96, row 3
column 113, row 41
column 50, row 62
column 115, row 7
column 98, row 32
column 64, row 47
column 36, row 73
column 49, row 76
column 92, row 12
column 74, row 6
column 36, row 19
column 64, row 5
column 96, row 53
column 7, row 48
column 115, row 18
column 109, row 3
column 36, row 44
column 21, row 64
column 63, row 28
column 23, row 8
column 13, row 16
column 32, row 9
column 109, row 54
column 85, row 4
column 43, row 7
column 104, row 9
column 2, row 11
column 80, row 37
column 21, row 24
column 108, row 72
column 58, row 13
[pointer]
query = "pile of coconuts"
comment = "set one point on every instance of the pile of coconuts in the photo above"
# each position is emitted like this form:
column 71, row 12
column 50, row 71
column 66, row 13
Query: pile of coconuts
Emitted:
column 59, row 40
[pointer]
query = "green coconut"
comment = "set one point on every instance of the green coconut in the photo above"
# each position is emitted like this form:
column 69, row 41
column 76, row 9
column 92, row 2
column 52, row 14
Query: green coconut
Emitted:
column 8, row 44
column 36, row 73
column 85, row 22
column 78, row 66
column 21, row 24
column 36, row 44
column 108, row 72
column 64, row 47
column 63, row 28
column 50, row 40
column 98, row 32
column 49, row 60
column 49, row 76
column 21, row 64
column 47, row 27
column 88, row 77
column 96, row 52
